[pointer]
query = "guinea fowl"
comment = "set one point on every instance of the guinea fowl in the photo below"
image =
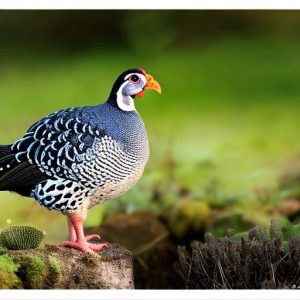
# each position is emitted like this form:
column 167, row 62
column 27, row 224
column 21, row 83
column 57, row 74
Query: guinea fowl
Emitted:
column 78, row 157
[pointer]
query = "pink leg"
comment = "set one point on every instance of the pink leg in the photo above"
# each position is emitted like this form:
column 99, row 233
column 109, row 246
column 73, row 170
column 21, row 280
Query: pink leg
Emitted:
column 77, row 238
column 73, row 235
column 72, row 232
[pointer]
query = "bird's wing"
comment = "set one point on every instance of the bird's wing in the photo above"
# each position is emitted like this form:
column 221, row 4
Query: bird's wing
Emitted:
column 54, row 144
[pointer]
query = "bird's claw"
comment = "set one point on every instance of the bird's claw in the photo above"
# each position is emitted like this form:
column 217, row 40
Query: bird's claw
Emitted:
column 92, row 236
column 85, row 247
column 97, row 247
column 80, row 246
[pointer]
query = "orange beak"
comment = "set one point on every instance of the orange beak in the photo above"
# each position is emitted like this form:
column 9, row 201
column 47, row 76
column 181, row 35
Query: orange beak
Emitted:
column 152, row 84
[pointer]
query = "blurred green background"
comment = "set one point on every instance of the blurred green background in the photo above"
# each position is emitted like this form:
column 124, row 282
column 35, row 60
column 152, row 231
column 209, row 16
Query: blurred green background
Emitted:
column 224, row 133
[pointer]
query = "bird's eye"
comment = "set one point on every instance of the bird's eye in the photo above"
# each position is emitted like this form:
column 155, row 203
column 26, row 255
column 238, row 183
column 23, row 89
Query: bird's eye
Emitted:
column 134, row 78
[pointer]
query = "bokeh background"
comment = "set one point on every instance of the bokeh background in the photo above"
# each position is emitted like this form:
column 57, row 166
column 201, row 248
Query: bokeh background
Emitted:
column 224, row 135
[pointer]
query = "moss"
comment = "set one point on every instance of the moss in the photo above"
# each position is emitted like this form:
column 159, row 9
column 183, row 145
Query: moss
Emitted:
column 37, row 271
column 30, row 269
column 294, row 231
column 240, row 235
column 55, row 269
column 21, row 237
column 3, row 250
column 33, row 271
column 290, row 231
column 8, row 269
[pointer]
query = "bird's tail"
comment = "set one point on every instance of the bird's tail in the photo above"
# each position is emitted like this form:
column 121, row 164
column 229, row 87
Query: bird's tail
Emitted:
column 4, row 150
column 15, row 176
column 5, row 158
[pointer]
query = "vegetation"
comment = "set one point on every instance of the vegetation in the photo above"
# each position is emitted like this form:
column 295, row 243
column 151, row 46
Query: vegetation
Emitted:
column 21, row 237
column 188, row 216
column 257, row 261
column 55, row 269
column 8, row 269
column 34, row 271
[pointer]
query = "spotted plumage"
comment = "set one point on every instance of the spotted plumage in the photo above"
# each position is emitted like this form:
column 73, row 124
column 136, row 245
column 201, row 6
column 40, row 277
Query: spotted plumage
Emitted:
column 76, row 158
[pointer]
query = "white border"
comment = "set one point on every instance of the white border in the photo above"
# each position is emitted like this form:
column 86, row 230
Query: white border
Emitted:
column 146, row 4
column 150, row 294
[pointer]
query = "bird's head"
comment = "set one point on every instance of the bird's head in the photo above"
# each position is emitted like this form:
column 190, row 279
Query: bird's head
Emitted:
column 130, row 84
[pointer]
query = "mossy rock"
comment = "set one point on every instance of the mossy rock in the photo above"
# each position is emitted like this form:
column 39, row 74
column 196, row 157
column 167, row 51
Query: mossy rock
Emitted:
column 36, row 268
column 54, row 267
column 188, row 216
column 8, row 277
column 21, row 237
column 33, row 270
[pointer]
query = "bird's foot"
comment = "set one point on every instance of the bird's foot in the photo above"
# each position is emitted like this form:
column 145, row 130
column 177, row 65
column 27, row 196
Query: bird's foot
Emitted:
column 97, row 247
column 85, row 246
column 80, row 246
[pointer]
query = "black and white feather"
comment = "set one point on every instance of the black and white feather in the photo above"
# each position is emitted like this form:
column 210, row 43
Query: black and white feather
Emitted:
column 71, row 155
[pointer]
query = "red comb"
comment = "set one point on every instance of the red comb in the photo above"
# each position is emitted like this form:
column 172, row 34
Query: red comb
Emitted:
column 143, row 71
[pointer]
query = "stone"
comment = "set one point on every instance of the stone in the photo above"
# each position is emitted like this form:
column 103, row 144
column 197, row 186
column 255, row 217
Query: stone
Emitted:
column 151, row 244
column 53, row 267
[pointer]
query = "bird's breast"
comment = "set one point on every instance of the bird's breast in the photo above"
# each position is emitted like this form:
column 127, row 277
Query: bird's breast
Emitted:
column 117, row 160
column 109, row 169
column 126, row 174
column 112, row 190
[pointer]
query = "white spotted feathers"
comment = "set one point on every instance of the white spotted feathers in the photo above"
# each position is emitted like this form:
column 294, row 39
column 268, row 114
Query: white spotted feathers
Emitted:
column 81, row 156
column 79, row 159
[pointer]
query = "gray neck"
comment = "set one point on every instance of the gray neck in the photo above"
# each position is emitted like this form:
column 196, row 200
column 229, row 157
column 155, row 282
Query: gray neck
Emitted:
column 126, row 127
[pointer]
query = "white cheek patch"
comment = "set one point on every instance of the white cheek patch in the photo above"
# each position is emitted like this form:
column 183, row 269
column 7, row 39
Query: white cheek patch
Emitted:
column 125, row 102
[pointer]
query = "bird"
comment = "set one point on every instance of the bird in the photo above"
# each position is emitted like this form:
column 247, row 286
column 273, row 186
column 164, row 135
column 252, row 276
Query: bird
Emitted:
column 78, row 157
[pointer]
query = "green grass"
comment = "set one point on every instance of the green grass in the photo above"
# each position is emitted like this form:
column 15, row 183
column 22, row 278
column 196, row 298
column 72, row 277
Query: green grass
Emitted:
column 228, row 116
